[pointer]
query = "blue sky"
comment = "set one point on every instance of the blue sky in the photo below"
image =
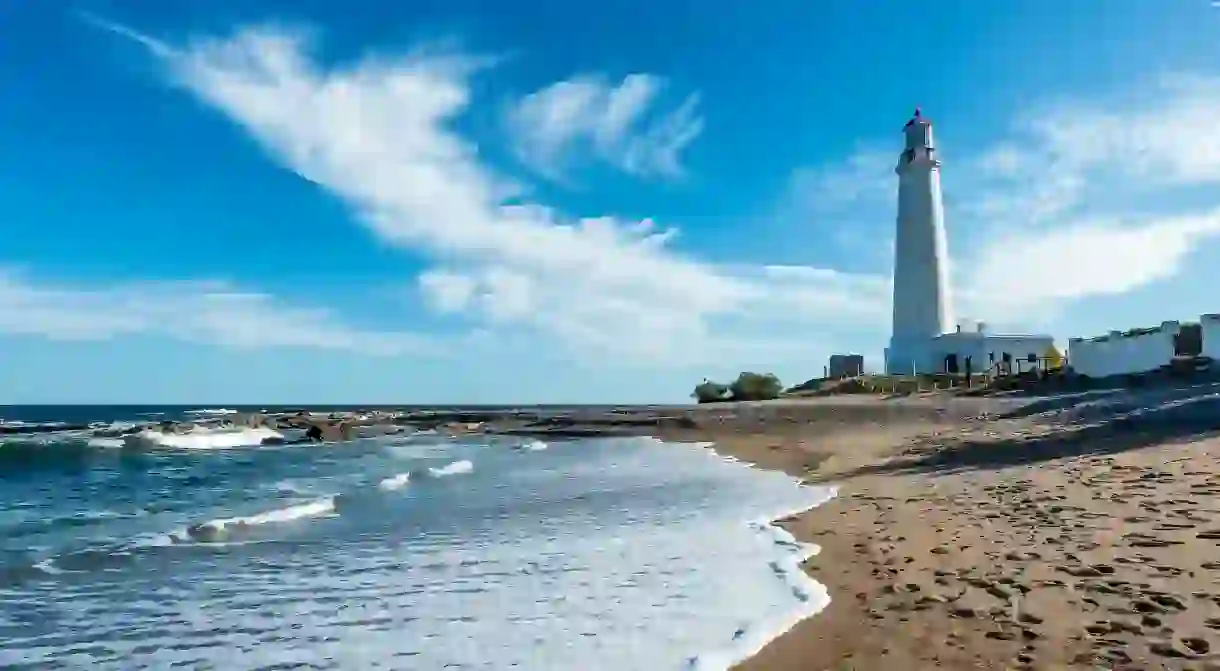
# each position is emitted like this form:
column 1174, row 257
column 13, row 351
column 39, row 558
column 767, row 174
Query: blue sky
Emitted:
column 487, row 202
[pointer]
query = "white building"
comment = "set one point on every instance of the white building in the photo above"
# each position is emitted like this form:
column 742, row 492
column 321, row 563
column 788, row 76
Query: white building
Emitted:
column 1144, row 350
column 921, row 341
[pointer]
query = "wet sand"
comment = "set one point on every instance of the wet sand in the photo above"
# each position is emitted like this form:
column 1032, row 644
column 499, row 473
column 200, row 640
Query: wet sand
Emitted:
column 1083, row 538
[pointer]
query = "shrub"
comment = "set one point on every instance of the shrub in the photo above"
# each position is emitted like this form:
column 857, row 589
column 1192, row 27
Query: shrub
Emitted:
column 710, row 392
column 755, row 387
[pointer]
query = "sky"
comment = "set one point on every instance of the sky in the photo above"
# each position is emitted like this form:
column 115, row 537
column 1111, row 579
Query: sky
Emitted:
column 474, row 201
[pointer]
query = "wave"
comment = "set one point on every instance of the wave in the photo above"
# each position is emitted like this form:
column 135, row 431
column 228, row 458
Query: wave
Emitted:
column 218, row 529
column 37, row 453
column 211, row 411
column 204, row 439
column 533, row 445
column 394, row 482
column 811, row 597
column 289, row 487
column 76, row 520
column 400, row 480
column 456, row 468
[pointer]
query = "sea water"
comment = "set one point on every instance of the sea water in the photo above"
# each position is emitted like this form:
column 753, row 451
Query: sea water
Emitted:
column 408, row 552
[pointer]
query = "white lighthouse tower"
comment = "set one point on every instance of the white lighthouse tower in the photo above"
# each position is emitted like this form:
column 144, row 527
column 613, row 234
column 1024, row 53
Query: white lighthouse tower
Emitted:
column 922, row 309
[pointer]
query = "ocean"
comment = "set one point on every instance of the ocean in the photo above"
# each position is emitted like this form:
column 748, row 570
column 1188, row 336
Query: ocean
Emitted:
column 402, row 552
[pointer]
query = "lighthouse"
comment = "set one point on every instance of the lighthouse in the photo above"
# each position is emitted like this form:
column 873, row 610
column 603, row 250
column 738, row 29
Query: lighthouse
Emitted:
column 922, row 309
column 921, row 341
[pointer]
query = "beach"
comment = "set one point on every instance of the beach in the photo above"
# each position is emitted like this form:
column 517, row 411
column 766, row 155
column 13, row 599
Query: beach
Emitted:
column 1073, row 533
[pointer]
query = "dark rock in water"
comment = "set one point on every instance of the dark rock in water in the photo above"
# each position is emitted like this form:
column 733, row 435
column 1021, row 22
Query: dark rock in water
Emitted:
column 343, row 503
column 203, row 532
column 274, row 440
column 314, row 433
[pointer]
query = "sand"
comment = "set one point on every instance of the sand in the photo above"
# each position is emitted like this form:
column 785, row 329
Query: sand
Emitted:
column 1084, row 537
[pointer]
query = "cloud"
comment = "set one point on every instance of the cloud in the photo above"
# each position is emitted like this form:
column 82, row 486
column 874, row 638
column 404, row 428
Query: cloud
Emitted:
column 620, row 125
column 865, row 177
column 447, row 291
column 1104, row 196
column 1098, row 258
column 1078, row 199
column 213, row 313
column 377, row 133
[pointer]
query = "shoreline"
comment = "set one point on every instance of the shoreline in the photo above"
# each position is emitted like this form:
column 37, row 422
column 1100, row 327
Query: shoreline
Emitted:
column 1022, row 542
column 1062, row 532
column 814, row 442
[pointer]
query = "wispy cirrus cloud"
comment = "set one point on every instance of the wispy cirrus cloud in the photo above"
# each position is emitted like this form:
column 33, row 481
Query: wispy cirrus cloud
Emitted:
column 624, row 125
column 377, row 134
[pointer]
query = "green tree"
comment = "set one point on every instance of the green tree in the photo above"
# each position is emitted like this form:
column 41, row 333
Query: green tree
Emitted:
column 710, row 392
column 755, row 387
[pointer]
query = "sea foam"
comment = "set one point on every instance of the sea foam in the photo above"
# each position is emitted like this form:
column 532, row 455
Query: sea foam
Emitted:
column 592, row 555
column 202, row 438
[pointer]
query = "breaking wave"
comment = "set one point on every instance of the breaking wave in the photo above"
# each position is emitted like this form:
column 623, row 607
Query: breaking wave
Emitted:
column 395, row 482
column 456, row 468
column 219, row 529
column 203, row 438
column 599, row 555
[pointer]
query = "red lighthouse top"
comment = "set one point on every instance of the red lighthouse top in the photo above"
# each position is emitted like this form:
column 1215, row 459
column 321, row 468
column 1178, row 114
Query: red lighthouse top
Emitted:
column 917, row 118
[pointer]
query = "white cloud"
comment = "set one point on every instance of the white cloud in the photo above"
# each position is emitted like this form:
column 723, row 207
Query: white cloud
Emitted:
column 618, row 124
column 1167, row 136
column 447, row 291
column 377, row 134
column 204, row 312
column 1096, row 196
column 864, row 177
column 1023, row 274
column 1078, row 199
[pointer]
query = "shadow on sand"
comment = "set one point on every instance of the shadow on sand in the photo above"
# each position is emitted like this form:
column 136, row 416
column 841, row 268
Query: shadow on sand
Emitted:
column 1087, row 424
column 1101, row 404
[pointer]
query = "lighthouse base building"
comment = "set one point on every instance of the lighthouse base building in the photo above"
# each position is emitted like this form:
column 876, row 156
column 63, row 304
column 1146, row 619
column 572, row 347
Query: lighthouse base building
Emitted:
column 922, row 340
column 969, row 349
